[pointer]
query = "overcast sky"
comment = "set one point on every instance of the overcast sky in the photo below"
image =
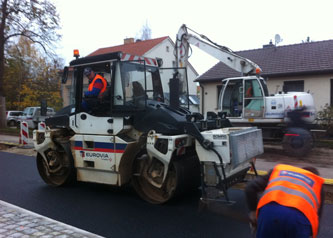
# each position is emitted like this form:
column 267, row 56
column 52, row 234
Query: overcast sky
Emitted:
column 238, row 24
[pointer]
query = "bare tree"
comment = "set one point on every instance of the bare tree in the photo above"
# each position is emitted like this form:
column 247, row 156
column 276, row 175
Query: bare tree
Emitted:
column 145, row 33
column 37, row 20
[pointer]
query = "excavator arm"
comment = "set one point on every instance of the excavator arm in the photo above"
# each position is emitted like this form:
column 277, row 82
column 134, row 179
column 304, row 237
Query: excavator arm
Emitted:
column 222, row 53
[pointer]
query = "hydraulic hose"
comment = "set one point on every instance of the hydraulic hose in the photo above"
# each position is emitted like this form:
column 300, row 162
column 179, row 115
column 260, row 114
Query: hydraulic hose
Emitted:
column 221, row 161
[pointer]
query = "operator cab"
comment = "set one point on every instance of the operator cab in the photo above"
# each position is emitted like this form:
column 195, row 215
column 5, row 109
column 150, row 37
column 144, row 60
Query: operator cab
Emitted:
column 130, row 85
column 243, row 97
column 133, row 86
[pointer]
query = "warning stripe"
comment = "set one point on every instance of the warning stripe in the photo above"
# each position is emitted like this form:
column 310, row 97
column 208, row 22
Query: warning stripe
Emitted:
column 41, row 126
column 295, row 101
column 99, row 150
column 102, row 147
column 24, row 133
column 125, row 57
column 148, row 61
column 129, row 57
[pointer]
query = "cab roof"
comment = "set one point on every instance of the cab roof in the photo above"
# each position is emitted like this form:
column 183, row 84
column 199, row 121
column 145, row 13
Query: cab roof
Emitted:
column 96, row 58
column 113, row 56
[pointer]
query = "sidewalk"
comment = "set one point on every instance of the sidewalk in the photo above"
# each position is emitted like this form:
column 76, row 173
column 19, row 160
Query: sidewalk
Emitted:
column 21, row 223
column 325, row 172
column 321, row 158
column 14, row 140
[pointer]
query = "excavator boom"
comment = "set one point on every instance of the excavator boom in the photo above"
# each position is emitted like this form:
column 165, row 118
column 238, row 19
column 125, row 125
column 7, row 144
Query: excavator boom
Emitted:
column 222, row 53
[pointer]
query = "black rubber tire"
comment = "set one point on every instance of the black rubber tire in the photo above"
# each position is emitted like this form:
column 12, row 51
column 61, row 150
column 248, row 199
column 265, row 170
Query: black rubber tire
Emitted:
column 297, row 142
column 11, row 123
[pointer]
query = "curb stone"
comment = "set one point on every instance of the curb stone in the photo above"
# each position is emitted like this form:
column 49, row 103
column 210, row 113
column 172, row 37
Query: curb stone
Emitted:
column 18, row 222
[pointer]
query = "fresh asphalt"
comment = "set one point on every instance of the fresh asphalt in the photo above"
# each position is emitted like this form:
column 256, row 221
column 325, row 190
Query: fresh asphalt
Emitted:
column 113, row 212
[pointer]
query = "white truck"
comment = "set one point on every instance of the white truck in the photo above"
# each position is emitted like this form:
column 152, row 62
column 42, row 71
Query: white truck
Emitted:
column 246, row 102
column 32, row 115
column 132, row 136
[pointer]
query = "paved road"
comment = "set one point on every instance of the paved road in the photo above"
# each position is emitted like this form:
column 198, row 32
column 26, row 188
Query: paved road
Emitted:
column 112, row 212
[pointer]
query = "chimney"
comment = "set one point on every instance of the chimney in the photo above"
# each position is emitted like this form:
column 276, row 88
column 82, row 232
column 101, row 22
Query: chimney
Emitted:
column 269, row 45
column 128, row 41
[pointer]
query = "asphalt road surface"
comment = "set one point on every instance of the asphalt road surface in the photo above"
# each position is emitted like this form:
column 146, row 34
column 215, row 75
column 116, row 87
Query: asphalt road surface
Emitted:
column 114, row 212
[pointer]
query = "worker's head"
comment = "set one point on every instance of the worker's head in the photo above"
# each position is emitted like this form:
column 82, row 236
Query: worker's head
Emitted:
column 312, row 170
column 89, row 73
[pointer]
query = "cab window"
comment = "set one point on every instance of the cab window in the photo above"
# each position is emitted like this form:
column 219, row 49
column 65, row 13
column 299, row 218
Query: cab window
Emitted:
column 136, row 83
column 253, row 99
column 232, row 102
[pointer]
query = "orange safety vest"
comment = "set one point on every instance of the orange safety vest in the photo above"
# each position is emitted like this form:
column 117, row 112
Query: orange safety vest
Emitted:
column 294, row 187
column 248, row 93
column 91, row 85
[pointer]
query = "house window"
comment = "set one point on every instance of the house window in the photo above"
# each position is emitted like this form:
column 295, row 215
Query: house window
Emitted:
column 293, row 86
column 167, row 49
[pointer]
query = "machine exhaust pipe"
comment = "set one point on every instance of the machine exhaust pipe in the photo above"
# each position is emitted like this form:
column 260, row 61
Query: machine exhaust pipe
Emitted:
column 174, row 91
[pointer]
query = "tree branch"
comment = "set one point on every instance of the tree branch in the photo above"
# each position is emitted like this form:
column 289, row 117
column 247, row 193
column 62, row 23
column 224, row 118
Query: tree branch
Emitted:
column 38, row 42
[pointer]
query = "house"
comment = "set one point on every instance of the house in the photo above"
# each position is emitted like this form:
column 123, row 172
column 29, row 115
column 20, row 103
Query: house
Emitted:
column 305, row 67
column 162, row 48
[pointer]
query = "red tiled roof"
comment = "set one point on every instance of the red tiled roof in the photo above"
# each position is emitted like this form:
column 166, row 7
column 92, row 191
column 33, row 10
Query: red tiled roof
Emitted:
column 297, row 59
column 136, row 48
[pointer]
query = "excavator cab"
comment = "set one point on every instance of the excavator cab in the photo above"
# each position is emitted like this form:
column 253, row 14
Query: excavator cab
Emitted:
column 243, row 97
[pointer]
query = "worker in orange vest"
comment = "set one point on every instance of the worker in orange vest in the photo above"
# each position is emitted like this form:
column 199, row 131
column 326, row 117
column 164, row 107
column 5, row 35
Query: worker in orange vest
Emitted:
column 96, row 88
column 97, row 84
column 290, row 204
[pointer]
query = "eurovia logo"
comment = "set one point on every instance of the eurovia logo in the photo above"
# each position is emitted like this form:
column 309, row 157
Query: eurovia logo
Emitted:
column 94, row 155
column 297, row 175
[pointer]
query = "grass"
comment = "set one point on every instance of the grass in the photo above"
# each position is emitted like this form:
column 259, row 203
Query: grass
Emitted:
column 12, row 131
